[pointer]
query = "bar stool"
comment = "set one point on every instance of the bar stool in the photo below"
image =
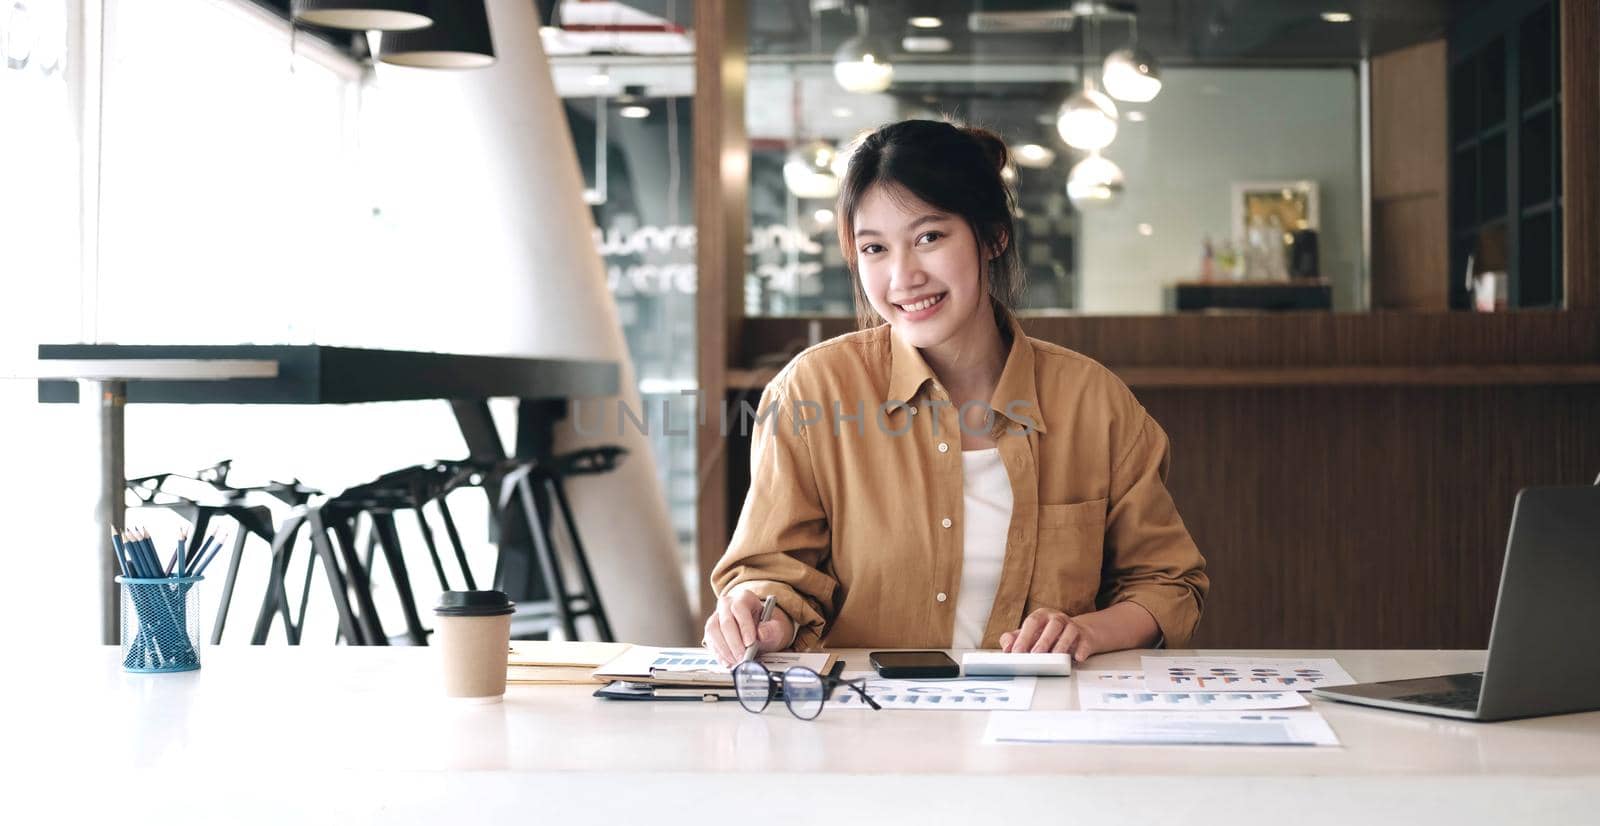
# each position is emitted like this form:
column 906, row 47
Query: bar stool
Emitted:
column 214, row 496
column 539, row 488
column 525, row 493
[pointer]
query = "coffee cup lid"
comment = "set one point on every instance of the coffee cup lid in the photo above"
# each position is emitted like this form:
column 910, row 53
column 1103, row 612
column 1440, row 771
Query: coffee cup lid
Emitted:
column 473, row 604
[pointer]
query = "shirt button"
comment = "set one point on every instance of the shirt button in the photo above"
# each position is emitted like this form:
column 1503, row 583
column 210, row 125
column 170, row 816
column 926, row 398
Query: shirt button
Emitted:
column 941, row 596
column 913, row 411
column 946, row 522
column 944, row 447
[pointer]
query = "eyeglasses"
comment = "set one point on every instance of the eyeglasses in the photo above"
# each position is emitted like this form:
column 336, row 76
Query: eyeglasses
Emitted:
column 805, row 692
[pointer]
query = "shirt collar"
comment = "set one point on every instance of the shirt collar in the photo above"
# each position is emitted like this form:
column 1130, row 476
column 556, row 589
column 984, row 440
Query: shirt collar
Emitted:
column 1015, row 396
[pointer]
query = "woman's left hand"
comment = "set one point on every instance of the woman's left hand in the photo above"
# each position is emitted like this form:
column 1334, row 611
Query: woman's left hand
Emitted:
column 1047, row 630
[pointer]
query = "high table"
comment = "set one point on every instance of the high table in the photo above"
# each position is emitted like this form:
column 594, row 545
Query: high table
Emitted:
column 119, row 374
column 353, row 735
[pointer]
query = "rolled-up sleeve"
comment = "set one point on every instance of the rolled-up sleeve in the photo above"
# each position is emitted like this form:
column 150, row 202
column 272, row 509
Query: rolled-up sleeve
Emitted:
column 1150, row 559
column 782, row 541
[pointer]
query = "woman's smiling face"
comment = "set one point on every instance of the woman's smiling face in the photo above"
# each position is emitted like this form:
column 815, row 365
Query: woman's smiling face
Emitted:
column 918, row 266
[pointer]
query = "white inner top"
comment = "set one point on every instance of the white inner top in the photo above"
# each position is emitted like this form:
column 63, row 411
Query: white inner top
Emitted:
column 986, row 490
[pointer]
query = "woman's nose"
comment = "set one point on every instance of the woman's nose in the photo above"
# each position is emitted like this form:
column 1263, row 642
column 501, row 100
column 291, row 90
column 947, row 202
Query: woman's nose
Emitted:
column 905, row 271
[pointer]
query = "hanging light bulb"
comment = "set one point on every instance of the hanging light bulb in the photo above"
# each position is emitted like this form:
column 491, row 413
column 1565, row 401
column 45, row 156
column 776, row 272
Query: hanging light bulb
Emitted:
column 1131, row 74
column 862, row 64
column 808, row 171
column 1094, row 181
column 1034, row 155
column 362, row 15
column 458, row 39
column 1088, row 120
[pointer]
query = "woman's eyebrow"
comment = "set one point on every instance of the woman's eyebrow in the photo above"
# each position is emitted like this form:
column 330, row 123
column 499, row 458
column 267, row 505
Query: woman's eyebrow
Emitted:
column 932, row 217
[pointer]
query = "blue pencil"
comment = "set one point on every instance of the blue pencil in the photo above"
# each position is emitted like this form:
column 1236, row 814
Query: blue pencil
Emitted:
column 136, row 553
column 200, row 555
column 135, row 559
column 116, row 542
column 183, row 539
column 150, row 553
column 152, row 563
column 201, row 568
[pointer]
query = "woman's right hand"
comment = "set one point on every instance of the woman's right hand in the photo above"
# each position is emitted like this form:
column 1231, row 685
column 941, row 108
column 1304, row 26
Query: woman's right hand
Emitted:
column 732, row 627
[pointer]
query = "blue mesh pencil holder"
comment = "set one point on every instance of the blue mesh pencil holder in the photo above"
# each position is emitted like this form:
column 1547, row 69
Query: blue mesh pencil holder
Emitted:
column 160, row 624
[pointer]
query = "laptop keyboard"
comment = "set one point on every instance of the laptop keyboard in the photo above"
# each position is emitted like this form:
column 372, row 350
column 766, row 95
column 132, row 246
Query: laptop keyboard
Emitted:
column 1463, row 699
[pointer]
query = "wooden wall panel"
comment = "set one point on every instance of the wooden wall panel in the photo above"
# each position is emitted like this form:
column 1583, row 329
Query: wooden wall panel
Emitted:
column 1410, row 149
column 1281, row 340
column 721, row 191
column 1339, row 518
column 1580, row 140
column 1410, row 180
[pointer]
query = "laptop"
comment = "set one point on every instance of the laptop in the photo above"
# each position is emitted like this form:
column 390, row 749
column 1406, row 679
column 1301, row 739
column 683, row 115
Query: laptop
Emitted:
column 1544, row 645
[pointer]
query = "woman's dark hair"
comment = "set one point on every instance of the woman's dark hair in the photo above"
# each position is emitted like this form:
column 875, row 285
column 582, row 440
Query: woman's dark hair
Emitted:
column 953, row 169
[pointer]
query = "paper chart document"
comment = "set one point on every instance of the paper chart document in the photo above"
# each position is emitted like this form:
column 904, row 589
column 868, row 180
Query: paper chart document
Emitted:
column 1125, row 691
column 966, row 694
column 1241, row 673
column 1215, row 728
column 694, row 665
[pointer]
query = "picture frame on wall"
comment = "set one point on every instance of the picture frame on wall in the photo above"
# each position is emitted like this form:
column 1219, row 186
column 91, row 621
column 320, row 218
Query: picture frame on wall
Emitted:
column 1294, row 203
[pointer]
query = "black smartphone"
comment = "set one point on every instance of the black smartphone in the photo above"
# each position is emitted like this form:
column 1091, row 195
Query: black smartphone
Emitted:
column 914, row 664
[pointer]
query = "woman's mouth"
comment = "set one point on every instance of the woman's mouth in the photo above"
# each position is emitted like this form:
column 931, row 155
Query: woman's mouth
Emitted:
column 923, row 307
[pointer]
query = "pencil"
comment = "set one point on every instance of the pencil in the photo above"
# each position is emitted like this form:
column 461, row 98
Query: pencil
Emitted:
column 213, row 555
column 200, row 554
column 116, row 542
column 152, row 562
column 150, row 549
column 135, row 559
column 183, row 539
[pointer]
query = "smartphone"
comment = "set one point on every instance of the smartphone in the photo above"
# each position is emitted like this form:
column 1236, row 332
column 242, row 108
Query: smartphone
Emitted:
column 914, row 664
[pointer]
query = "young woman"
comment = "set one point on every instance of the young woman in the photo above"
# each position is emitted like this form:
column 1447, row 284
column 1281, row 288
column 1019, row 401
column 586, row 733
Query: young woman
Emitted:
column 941, row 480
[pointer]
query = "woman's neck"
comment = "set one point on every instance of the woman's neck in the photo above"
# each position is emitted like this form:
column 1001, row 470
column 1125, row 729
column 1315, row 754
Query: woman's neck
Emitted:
column 969, row 364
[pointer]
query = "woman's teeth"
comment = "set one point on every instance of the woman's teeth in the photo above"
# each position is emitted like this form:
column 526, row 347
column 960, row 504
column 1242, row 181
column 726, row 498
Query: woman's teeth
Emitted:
column 923, row 304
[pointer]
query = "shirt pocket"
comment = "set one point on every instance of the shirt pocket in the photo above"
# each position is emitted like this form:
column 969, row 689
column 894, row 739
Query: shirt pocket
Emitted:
column 1066, row 564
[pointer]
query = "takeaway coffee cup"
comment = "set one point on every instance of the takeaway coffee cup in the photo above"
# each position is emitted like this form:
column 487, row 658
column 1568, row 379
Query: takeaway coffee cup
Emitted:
column 473, row 632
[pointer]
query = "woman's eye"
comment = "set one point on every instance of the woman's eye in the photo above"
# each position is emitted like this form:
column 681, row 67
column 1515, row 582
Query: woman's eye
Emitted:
column 871, row 249
column 929, row 237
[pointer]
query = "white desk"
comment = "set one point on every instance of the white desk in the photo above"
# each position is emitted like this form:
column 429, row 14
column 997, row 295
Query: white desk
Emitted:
column 355, row 735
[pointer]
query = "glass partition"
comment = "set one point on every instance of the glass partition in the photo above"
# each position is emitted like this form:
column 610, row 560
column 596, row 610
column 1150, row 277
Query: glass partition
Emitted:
column 1173, row 157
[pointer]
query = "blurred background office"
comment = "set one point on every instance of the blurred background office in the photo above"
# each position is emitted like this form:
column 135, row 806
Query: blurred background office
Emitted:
column 1346, row 252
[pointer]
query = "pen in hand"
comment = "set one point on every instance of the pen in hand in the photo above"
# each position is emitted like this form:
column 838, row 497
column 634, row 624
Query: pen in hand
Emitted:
column 766, row 614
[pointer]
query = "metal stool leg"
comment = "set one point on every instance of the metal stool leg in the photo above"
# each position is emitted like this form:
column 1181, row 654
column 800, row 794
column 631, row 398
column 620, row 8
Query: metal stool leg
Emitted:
column 433, row 549
column 591, row 591
column 543, row 549
column 455, row 542
column 276, row 598
column 305, row 600
column 227, row 587
column 355, row 628
column 389, row 541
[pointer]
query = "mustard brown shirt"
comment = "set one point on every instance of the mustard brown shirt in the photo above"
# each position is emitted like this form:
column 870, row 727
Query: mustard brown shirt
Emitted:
column 852, row 517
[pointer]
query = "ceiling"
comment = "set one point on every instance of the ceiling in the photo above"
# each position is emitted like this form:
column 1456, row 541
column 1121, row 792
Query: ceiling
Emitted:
column 1176, row 32
column 1201, row 32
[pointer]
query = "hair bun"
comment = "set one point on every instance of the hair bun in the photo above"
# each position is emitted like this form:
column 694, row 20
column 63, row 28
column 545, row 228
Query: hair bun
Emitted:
column 993, row 146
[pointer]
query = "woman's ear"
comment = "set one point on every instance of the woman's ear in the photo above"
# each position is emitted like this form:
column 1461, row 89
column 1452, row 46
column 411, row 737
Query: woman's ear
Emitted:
column 998, row 248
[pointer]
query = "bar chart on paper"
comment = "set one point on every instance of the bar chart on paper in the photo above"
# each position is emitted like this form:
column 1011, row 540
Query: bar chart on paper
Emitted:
column 969, row 694
column 1241, row 674
column 1126, row 691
